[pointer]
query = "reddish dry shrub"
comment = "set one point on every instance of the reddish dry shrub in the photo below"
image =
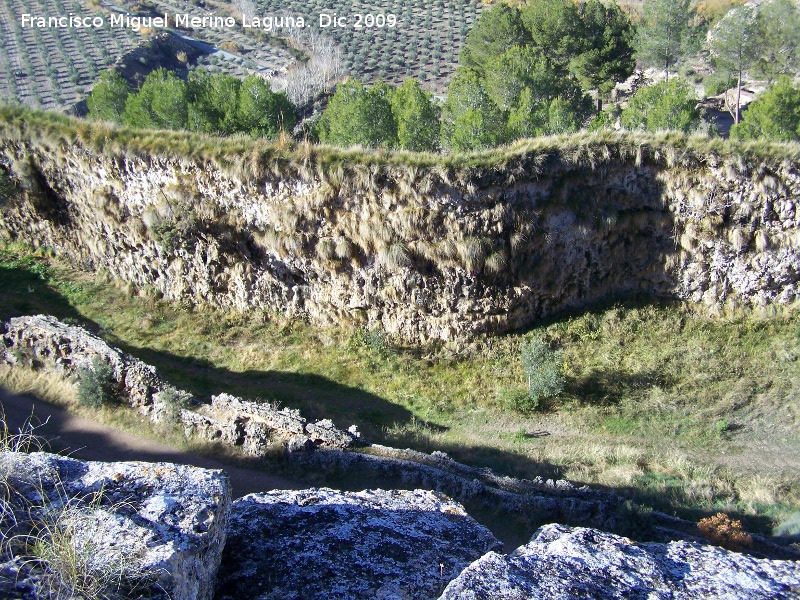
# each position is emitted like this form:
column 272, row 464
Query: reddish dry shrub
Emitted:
column 721, row 530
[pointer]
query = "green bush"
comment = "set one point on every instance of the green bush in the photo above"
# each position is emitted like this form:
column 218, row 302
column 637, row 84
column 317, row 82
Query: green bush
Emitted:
column 174, row 401
column 96, row 384
column 663, row 105
column 543, row 369
column 774, row 115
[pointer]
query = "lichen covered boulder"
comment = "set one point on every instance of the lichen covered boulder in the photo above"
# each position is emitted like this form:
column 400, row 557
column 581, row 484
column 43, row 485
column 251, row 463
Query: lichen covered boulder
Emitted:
column 561, row 563
column 159, row 527
column 325, row 544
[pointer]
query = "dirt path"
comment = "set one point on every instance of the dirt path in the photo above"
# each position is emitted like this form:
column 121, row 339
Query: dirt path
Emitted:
column 82, row 438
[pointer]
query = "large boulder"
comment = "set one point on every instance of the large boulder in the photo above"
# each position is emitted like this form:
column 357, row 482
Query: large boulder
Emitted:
column 325, row 544
column 561, row 563
column 159, row 527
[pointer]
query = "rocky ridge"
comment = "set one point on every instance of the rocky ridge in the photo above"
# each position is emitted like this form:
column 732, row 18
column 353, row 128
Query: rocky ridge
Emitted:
column 169, row 529
column 66, row 349
column 426, row 253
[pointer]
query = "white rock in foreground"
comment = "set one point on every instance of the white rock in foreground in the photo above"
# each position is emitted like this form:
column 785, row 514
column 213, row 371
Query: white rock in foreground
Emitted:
column 170, row 520
column 561, row 563
column 326, row 544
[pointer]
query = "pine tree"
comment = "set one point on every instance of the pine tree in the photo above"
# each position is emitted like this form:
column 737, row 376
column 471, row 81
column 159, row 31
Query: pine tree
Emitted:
column 663, row 32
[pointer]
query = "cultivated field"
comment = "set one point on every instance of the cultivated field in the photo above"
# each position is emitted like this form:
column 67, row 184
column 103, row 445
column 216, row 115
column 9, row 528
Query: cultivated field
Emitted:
column 424, row 44
column 58, row 66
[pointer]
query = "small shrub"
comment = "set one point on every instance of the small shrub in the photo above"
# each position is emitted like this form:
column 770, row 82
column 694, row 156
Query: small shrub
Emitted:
column 375, row 339
column 174, row 401
column 516, row 398
column 721, row 427
column 723, row 531
column 97, row 385
column 543, row 369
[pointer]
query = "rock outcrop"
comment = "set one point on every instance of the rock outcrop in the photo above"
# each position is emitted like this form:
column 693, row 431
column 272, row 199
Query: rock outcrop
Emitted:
column 159, row 527
column 67, row 349
column 324, row 544
column 562, row 563
column 426, row 251
column 42, row 339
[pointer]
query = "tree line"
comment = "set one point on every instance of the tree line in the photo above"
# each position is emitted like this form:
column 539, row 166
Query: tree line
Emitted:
column 545, row 67
column 218, row 104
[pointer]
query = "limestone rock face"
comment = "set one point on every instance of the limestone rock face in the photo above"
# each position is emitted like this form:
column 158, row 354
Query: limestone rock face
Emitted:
column 562, row 563
column 325, row 544
column 163, row 525
column 425, row 253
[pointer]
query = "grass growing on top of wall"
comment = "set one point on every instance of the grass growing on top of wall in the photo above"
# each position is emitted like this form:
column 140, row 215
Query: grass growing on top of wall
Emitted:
column 251, row 158
column 685, row 413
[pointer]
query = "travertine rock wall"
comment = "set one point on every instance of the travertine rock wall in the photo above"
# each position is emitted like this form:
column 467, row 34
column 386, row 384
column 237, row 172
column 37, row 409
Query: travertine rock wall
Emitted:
column 425, row 252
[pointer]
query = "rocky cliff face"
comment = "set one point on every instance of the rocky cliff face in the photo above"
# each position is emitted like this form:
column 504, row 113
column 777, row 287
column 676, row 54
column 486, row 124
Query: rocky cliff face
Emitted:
column 431, row 252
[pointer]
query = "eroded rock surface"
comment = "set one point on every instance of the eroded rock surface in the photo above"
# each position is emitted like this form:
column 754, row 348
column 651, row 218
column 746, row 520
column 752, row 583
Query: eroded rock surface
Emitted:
column 325, row 544
column 69, row 348
column 425, row 252
column 563, row 563
column 161, row 525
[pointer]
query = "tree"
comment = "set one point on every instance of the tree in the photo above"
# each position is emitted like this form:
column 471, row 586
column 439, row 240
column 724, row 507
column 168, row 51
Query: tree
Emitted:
column 663, row 32
column 470, row 120
column 359, row 115
column 107, row 100
column 262, row 112
column 774, row 115
column 539, row 99
column 519, row 68
column 161, row 103
column 543, row 369
column 606, row 55
column 495, row 31
column 214, row 99
column 664, row 105
column 779, row 32
column 734, row 44
column 417, row 118
column 555, row 29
